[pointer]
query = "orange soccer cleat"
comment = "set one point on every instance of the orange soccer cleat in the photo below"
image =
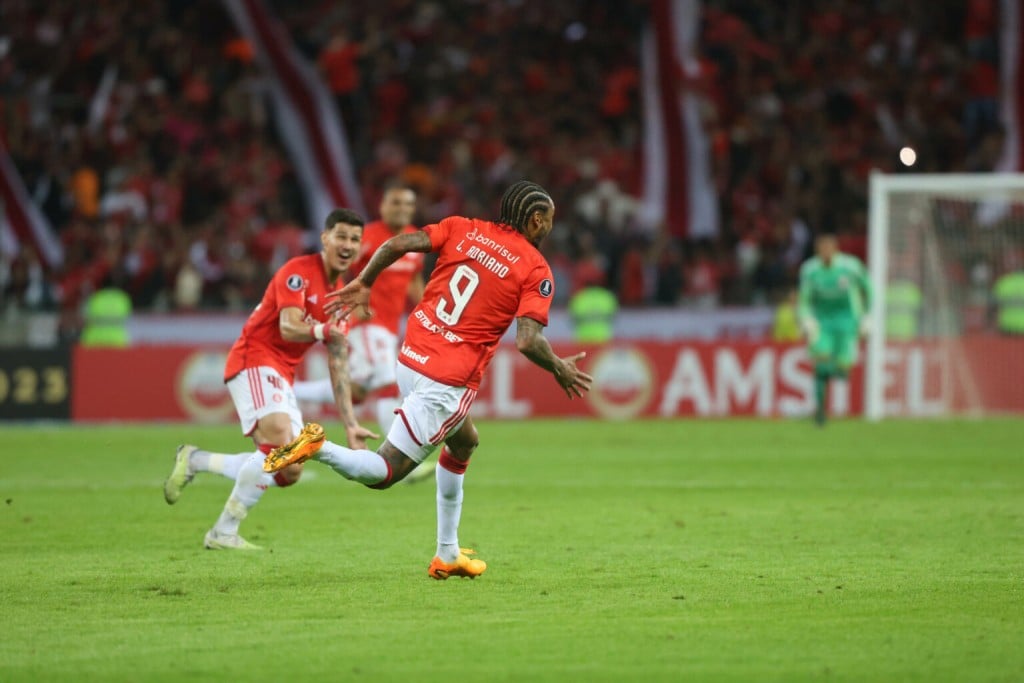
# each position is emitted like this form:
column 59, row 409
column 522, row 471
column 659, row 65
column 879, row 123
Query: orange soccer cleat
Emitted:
column 300, row 449
column 463, row 566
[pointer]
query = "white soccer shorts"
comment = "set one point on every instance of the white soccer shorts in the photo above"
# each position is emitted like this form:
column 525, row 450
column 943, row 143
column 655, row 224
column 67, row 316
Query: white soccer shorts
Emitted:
column 430, row 411
column 261, row 391
column 372, row 356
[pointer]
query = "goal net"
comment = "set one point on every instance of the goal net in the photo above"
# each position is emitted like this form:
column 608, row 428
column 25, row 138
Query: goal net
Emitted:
column 938, row 246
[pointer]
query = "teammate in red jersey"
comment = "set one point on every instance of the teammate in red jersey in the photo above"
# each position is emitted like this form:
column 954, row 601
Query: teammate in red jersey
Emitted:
column 261, row 368
column 373, row 340
column 487, row 274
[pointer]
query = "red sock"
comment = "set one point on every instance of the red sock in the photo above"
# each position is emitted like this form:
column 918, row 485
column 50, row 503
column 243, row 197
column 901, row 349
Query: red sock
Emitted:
column 454, row 466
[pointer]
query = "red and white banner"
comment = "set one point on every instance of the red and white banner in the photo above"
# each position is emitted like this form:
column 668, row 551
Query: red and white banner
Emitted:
column 306, row 115
column 642, row 379
column 678, row 188
column 21, row 221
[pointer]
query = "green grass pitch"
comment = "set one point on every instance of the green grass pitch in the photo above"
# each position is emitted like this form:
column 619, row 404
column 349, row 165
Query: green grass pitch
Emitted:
column 639, row 551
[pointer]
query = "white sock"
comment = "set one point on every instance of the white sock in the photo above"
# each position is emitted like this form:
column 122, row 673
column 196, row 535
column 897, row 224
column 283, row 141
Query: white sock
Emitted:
column 224, row 464
column 449, row 510
column 384, row 409
column 317, row 391
column 250, row 485
column 363, row 466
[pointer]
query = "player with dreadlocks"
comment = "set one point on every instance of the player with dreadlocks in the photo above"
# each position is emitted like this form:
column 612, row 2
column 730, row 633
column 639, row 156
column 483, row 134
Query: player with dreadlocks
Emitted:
column 487, row 274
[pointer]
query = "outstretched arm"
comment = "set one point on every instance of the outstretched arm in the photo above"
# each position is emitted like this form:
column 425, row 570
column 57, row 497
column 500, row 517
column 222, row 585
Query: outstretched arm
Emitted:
column 357, row 293
column 531, row 343
column 337, row 364
column 391, row 251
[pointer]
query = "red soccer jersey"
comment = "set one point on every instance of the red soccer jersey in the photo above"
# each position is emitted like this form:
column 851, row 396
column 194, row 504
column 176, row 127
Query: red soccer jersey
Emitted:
column 390, row 289
column 300, row 283
column 486, row 275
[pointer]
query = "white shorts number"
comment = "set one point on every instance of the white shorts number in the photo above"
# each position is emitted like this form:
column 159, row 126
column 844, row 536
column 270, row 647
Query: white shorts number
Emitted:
column 461, row 285
column 261, row 391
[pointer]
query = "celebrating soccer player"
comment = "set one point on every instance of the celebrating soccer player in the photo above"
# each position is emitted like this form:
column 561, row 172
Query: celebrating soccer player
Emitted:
column 835, row 295
column 261, row 367
column 487, row 274
column 373, row 340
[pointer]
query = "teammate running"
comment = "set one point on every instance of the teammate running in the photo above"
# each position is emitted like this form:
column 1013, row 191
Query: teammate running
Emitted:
column 259, row 374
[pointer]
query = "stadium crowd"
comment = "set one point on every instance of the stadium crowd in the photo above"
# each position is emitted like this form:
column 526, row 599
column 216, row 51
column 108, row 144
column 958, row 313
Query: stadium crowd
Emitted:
column 144, row 132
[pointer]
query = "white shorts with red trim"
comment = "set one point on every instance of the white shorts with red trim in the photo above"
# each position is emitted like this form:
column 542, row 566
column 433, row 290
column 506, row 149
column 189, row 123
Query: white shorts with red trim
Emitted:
column 430, row 412
column 258, row 392
column 372, row 356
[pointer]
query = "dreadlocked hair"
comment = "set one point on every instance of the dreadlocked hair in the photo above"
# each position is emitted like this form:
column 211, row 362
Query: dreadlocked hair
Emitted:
column 520, row 201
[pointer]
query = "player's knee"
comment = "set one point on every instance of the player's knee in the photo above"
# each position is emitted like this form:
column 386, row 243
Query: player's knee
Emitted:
column 462, row 452
column 456, row 453
column 462, row 447
column 398, row 466
column 273, row 433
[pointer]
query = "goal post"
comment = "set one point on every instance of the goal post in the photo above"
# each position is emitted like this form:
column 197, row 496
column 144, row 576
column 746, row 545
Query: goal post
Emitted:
column 937, row 244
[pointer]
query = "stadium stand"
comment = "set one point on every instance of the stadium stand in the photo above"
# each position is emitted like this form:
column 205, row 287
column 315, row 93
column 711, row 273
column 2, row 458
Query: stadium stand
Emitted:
column 143, row 132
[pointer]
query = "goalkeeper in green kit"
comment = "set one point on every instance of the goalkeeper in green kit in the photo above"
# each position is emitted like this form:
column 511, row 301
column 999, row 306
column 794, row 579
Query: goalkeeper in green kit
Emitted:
column 835, row 295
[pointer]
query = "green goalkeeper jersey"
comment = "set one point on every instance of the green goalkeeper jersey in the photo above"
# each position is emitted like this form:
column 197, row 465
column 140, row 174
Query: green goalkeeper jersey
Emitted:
column 838, row 291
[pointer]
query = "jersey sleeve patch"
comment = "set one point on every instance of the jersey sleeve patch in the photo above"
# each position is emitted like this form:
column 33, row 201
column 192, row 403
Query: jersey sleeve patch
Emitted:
column 295, row 282
column 546, row 287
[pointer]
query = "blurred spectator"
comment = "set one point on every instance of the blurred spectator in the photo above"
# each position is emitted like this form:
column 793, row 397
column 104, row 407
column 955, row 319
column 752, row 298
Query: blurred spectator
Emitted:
column 23, row 282
column 339, row 63
column 633, row 274
column 702, row 281
column 85, row 192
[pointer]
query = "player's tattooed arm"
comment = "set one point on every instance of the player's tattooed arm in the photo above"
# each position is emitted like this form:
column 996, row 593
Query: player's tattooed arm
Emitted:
column 532, row 343
column 341, row 383
column 391, row 251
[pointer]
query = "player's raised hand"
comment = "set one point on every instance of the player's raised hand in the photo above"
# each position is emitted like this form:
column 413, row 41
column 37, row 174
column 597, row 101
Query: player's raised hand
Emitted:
column 357, row 436
column 342, row 302
column 573, row 380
